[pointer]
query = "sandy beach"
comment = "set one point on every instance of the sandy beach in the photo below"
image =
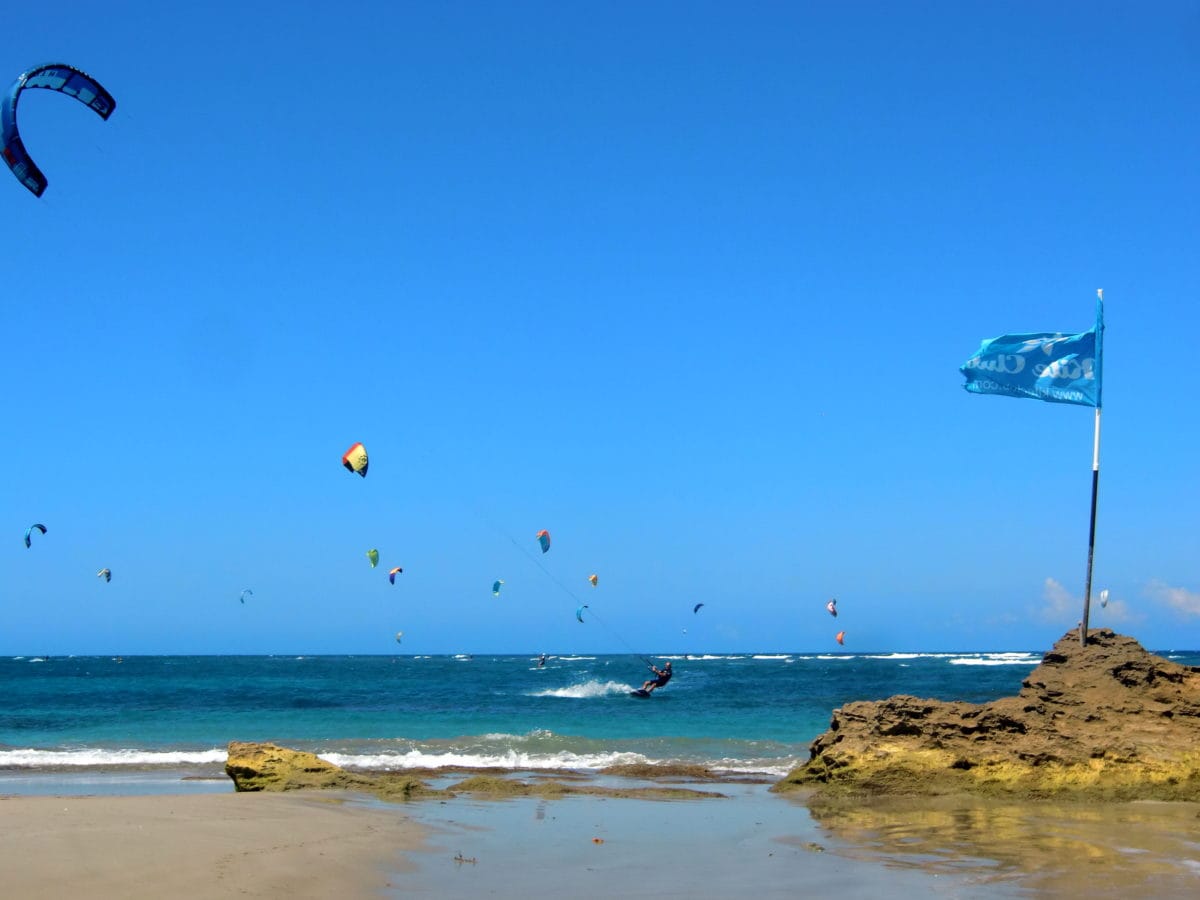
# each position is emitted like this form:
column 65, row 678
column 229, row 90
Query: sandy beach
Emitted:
column 201, row 845
column 749, row 843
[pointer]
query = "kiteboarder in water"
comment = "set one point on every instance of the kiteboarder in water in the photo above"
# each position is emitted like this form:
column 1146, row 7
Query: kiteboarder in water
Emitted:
column 662, row 676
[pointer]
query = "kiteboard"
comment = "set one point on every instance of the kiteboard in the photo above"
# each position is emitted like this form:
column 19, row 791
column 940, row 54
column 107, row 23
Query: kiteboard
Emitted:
column 639, row 693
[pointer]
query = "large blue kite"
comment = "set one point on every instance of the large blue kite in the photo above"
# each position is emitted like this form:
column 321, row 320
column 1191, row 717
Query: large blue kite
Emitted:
column 55, row 77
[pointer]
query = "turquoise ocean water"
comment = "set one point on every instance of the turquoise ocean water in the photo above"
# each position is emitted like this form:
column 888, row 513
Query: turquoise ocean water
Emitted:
column 742, row 712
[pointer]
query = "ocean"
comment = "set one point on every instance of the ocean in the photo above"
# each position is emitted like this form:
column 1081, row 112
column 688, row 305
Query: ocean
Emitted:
column 136, row 715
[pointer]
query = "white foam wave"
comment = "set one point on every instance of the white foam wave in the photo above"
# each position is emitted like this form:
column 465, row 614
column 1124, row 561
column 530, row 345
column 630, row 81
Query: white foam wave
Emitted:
column 30, row 758
column 515, row 759
column 586, row 690
column 507, row 759
column 997, row 660
column 835, row 656
column 771, row 656
column 895, row 656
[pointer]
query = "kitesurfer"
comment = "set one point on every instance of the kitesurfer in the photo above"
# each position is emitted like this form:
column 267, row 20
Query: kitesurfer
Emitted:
column 541, row 660
column 662, row 676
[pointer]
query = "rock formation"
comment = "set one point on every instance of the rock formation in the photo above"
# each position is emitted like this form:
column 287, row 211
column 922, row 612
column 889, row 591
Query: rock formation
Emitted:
column 1105, row 721
column 266, row 767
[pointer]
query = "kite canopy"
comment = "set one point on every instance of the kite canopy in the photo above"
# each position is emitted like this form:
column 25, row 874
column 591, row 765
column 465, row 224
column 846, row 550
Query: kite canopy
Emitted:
column 54, row 77
column 840, row 636
column 355, row 460
column 1103, row 593
column 373, row 556
column 106, row 574
column 832, row 607
column 696, row 608
column 594, row 580
column 399, row 635
column 579, row 612
column 392, row 574
column 543, row 538
column 246, row 593
column 496, row 586
column 29, row 531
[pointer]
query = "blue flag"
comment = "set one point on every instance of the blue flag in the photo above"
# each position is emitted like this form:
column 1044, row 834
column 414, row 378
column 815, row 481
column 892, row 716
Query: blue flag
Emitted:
column 1059, row 368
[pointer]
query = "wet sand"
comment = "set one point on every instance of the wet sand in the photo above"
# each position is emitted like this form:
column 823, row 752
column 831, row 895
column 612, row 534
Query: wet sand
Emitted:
column 759, row 844
column 748, row 843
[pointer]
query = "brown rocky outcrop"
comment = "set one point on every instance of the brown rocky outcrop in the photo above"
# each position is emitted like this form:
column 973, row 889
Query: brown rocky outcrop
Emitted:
column 267, row 767
column 1105, row 721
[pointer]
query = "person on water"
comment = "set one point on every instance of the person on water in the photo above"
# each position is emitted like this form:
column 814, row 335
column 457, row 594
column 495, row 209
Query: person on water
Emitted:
column 662, row 676
column 541, row 660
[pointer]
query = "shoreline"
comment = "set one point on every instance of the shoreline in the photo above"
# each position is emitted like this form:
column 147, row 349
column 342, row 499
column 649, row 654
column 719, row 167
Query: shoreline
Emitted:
column 179, row 835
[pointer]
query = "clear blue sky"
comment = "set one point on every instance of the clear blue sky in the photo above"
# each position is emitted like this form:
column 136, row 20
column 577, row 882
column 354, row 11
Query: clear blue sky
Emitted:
column 687, row 284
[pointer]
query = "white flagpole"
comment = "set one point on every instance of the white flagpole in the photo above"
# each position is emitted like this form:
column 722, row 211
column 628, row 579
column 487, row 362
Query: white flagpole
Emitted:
column 1087, row 586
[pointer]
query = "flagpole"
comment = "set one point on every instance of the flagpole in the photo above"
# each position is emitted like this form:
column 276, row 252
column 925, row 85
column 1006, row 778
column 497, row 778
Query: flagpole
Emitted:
column 1087, row 586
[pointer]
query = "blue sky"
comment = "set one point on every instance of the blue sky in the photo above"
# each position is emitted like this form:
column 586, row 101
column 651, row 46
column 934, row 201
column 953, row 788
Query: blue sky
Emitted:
column 687, row 284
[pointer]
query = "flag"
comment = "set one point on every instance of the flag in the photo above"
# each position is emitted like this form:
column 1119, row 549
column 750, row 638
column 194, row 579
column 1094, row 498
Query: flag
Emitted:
column 1056, row 367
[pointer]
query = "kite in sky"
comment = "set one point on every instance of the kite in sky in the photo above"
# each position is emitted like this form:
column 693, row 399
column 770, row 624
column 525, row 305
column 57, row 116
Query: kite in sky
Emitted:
column 543, row 538
column 106, row 574
column 355, row 460
column 29, row 532
column 53, row 77
column 392, row 574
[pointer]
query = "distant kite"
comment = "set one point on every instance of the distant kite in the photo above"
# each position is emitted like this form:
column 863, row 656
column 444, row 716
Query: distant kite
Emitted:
column 355, row 460
column 1103, row 593
column 373, row 556
column 496, row 587
column 839, row 637
column 106, row 574
column 594, row 580
column 399, row 635
column 54, row 77
column 246, row 593
column 29, row 531
column 392, row 574
column 832, row 607
column 579, row 612
column 543, row 538
column 696, row 608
